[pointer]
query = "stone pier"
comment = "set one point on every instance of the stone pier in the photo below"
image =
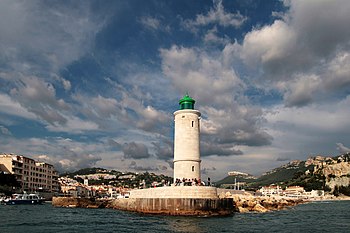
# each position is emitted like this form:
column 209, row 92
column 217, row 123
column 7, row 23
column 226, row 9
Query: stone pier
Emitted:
column 176, row 200
column 176, row 206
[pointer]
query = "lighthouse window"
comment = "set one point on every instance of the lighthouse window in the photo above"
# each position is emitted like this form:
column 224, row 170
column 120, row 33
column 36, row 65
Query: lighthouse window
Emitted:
column 193, row 168
column 192, row 123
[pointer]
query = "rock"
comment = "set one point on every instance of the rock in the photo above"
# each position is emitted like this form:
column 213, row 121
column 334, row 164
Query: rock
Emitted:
column 283, row 202
column 259, row 208
column 79, row 202
column 263, row 204
column 242, row 210
column 251, row 203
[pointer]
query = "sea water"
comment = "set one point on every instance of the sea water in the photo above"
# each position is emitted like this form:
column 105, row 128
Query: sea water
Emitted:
column 331, row 216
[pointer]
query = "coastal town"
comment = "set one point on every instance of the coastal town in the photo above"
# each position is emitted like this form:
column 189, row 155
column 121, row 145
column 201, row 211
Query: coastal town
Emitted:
column 185, row 193
column 106, row 185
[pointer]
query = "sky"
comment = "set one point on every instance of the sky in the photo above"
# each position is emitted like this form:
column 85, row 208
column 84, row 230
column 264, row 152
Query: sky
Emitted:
column 95, row 83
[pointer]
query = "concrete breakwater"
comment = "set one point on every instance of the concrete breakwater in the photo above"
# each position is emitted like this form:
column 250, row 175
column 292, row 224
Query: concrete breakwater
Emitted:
column 187, row 201
column 166, row 206
column 183, row 206
column 176, row 206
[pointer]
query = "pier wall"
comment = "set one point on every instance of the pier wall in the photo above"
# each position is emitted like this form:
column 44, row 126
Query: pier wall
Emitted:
column 176, row 206
column 176, row 192
column 175, row 200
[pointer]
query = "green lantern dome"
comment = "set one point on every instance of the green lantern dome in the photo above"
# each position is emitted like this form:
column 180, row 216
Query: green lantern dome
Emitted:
column 186, row 102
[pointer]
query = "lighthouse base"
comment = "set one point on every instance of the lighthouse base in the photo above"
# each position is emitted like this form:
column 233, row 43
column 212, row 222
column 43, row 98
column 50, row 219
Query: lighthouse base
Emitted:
column 187, row 201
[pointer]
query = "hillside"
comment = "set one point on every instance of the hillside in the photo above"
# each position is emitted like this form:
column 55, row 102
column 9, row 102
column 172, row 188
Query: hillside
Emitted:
column 87, row 171
column 281, row 174
column 97, row 176
column 327, row 173
column 229, row 181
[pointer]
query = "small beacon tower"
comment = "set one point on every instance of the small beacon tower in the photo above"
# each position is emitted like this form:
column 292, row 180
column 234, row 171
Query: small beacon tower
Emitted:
column 186, row 141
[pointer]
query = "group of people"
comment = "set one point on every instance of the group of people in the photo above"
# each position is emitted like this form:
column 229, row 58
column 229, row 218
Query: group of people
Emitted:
column 190, row 182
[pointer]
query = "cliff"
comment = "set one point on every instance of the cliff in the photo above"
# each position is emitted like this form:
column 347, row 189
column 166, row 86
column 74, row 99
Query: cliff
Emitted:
column 334, row 170
column 316, row 173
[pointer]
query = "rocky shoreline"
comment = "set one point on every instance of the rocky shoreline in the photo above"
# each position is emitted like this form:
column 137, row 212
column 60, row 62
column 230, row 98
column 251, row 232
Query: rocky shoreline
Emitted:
column 73, row 202
column 263, row 204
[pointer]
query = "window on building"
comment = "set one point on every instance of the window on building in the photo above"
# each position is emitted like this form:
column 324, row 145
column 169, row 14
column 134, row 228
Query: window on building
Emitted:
column 192, row 123
column 193, row 168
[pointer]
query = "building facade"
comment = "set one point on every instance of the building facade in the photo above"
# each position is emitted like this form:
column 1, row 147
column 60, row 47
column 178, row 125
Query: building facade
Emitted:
column 32, row 175
column 186, row 141
column 271, row 190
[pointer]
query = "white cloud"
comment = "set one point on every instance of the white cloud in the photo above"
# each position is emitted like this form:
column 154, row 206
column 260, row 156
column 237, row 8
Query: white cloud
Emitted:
column 66, row 84
column 268, row 44
column 73, row 125
column 200, row 71
column 39, row 97
column 309, row 130
column 104, row 107
column 228, row 119
column 42, row 39
column 337, row 75
column 212, row 37
column 150, row 22
column 301, row 91
column 55, row 34
column 128, row 113
column 14, row 108
column 310, row 119
column 35, row 99
column 155, row 24
column 216, row 15
column 5, row 131
column 306, row 51
column 341, row 148
column 135, row 150
column 64, row 153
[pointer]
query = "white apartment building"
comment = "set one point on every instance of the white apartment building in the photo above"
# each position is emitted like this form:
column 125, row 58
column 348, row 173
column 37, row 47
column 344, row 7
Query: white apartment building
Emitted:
column 33, row 175
column 294, row 191
column 271, row 190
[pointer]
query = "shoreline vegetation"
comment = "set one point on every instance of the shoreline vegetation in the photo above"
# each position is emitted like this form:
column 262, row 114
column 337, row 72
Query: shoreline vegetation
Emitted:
column 243, row 203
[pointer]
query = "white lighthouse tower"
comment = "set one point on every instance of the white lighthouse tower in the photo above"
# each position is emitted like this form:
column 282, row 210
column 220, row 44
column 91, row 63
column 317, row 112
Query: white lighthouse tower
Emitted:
column 186, row 141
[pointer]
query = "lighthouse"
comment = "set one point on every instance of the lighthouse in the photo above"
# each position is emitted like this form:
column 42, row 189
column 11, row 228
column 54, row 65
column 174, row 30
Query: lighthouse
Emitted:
column 181, row 198
column 186, row 141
